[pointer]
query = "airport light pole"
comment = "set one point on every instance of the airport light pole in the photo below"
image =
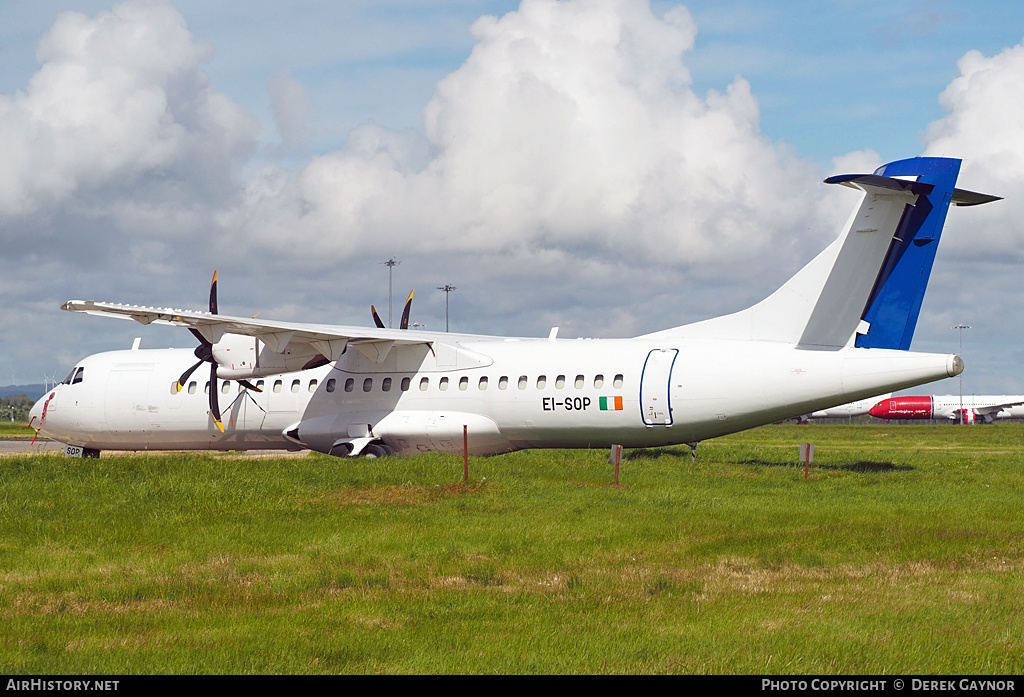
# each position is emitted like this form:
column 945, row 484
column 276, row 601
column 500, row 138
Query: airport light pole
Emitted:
column 960, row 328
column 447, row 288
column 391, row 264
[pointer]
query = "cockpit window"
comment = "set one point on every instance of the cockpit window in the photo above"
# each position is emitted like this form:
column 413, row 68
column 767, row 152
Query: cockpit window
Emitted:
column 74, row 377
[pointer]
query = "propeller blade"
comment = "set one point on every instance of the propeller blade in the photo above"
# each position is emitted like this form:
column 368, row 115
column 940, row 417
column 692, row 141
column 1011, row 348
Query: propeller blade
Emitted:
column 249, row 386
column 376, row 317
column 213, row 295
column 187, row 374
column 214, row 403
column 202, row 339
column 405, row 312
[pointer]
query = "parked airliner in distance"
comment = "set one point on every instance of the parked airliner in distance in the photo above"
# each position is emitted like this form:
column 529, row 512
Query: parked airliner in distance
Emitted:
column 966, row 410
column 837, row 331
column 844, row 411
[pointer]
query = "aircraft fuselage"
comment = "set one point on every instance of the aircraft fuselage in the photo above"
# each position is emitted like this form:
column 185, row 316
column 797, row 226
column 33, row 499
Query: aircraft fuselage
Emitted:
column 508, row 393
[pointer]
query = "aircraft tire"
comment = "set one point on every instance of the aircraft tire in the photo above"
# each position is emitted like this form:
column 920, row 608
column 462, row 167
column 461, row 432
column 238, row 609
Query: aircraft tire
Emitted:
column 374, row 450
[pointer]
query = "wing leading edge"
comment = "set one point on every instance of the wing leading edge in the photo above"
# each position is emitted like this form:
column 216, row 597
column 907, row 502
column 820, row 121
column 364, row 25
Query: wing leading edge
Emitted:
column 328, row 340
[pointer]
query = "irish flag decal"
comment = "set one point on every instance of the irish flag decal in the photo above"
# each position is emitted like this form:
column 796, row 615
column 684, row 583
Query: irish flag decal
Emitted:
column 611, row 403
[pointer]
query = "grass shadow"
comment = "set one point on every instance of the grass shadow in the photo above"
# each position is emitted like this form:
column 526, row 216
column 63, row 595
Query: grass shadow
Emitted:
column 655, row 453
column 866, row 466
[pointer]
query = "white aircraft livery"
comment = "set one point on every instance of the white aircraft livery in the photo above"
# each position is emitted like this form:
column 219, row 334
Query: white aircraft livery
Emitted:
column 966, row 410
column 837, row 331
column 844, row 411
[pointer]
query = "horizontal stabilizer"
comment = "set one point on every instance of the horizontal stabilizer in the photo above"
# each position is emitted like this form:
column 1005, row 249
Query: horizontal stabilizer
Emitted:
column 860, row 181
column 970, row 198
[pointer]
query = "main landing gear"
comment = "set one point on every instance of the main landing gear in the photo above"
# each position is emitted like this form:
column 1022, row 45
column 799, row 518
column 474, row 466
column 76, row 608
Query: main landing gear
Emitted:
column 693, row 450
column 374, row 450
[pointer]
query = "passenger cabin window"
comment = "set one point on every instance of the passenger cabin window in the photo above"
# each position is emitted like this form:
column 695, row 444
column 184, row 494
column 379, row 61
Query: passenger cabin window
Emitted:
column 579, row 382
column 618, row 381
column 295, row 385
column 312, row 385
column 599, row 381
column 503, row 382
column 424, row 383
column 385, row 384
column 277, row 386
column 560, row 382
column 483, row 383
column 367, row 384
column 443, row 384
column 463, row 383
column 406, row 382
column 192, row 387
column 331, row 384
column 542, row 382
column 522, row 382
column 350, row 384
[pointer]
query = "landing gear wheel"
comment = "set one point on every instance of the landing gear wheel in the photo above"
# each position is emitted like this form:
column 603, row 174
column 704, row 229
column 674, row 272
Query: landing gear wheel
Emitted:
column 377, row 450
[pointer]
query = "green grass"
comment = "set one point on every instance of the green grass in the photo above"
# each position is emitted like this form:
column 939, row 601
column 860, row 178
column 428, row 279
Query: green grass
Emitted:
column 13, row 429
column 900, row 554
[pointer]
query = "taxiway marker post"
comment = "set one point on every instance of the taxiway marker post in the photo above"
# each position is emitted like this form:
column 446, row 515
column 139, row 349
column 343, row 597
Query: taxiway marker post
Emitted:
column 616, row 459
column 807, row 456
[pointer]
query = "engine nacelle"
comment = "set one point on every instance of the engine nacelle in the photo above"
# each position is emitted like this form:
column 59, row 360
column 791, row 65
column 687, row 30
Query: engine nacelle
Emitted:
column 243, row 357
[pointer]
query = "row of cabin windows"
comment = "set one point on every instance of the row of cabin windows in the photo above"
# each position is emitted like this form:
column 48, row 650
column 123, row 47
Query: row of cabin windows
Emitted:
column 482, row 383
column 225, row 388
column 405, row 384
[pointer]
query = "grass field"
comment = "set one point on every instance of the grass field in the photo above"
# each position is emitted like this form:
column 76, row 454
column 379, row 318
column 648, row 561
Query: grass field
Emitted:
column 10, row 429
column 901, row 554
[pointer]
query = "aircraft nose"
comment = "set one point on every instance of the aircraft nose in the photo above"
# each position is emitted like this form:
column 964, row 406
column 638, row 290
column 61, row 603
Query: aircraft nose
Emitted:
column 880, row 410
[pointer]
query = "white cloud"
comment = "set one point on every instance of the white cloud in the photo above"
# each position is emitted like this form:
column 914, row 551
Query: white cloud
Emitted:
column 985, row 127
column 572, row 125
column 118, row 98
column 291, row 109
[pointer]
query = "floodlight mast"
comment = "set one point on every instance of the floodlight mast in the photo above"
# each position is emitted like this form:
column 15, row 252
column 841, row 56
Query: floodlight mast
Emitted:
column 960, row 328
column 391, row 264
column 447, row 288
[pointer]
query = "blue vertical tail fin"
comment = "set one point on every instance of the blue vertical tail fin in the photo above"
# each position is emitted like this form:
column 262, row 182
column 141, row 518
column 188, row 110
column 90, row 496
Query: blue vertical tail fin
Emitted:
column 894, row 303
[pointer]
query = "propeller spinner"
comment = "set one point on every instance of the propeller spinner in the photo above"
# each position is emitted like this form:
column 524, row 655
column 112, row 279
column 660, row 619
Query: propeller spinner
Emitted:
column 204, row 352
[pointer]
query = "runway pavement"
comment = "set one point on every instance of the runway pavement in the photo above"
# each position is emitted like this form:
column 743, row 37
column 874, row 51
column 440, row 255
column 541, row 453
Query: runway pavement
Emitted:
column 27, row 447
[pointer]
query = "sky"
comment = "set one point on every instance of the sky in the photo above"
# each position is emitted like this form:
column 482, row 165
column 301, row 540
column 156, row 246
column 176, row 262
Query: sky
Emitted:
column 610, row 167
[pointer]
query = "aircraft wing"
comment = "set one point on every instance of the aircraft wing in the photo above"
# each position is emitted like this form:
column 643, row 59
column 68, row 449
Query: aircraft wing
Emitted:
column 993, row 409
column 326, row 339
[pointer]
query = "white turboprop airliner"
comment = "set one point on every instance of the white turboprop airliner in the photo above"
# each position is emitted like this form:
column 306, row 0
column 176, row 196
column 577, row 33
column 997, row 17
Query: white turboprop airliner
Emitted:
column 968, row 409
column 837, row 331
